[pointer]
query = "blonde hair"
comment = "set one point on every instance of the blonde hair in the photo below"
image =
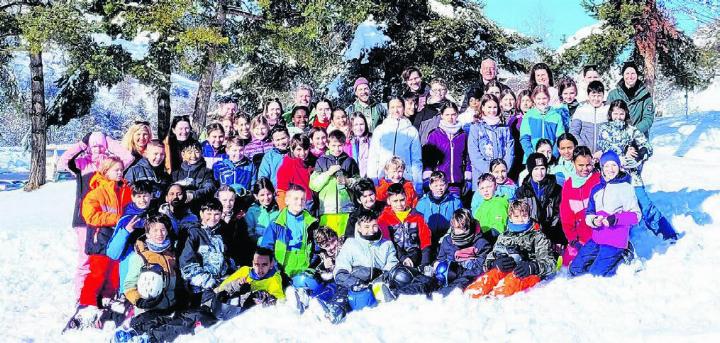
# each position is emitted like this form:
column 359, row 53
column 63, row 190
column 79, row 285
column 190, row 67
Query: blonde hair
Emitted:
column 108, row 163
column 396, row 162
column 129, row 143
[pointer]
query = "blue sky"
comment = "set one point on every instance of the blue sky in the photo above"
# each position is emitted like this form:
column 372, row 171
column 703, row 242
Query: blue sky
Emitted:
column 551, row 19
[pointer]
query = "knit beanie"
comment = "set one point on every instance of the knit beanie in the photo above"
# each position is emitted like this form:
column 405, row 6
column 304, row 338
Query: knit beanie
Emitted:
column 536, row 159
column 360, row 81
column 609, row 156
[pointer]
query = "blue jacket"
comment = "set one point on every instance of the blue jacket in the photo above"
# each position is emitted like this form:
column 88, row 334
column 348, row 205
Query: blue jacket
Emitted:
column 468, row 268
column 238, row 175
column 211, row 155
column 536, row 125
column 437, row 213
column 270, row 164
column 121, row 244
column 486, row 143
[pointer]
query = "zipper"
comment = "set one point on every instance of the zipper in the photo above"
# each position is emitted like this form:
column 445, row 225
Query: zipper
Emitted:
column 452, row 159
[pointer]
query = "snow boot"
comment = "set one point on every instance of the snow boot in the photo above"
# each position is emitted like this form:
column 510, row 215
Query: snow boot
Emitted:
column 84, row 317
column 333, row 312
column 298, row 297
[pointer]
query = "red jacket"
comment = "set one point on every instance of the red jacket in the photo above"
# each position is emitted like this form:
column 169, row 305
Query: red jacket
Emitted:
column 411, row 198
column 572, row 209
column 293, row 170
column 388, row 218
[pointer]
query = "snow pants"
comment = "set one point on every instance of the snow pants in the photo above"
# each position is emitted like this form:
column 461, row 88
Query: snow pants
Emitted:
column 83, row 267
column 652, row 218
column 103, row 280
column 499, row 283
column 163, row 327
column 596, row 259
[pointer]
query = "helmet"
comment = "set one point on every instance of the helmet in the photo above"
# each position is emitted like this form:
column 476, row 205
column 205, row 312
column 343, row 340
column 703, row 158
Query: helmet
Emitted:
column 306, row 281
column 401, row 276
column 441, row 273
column 359, row 299
column 150, row 284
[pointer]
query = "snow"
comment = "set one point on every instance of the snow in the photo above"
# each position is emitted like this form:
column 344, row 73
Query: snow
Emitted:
column 444, row 10
column 579, row 35
column 138, row 47
column 672, row 296
column 368, row 35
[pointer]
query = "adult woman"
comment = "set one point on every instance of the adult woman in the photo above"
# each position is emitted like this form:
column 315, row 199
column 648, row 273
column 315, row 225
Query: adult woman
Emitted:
column 359, row 147
column 179, row 137
column 540, row 74
column 637, row 97
column 136, row 139
column 272, row 112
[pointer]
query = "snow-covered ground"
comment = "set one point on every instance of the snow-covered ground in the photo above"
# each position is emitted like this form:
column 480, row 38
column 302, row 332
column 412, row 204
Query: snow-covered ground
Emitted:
column 670, row 297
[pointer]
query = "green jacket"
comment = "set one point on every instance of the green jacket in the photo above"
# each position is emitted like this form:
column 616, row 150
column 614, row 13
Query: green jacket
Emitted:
column 642, row 108
column 374, row 112
column 492, row 214
column 278, row 235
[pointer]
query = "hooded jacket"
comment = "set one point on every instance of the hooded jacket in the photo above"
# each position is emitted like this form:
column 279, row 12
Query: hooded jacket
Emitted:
column 396, row 138
column 640, row 104
column 411, row 197
column 536, row 125
column 545, row 206
column 292, row 245
column 617, row 198
column 293, row 171
column 144, row 171
column 585, row 125
column 102, row 208
column 142, row 256
column 334, row 198
column 358, row 252
column 447, row 154
column 270, row 163
column 238, row 175
column 211, row 154
column 574, row 203
column 486, row 143
column 196, row 178
column 412, row 237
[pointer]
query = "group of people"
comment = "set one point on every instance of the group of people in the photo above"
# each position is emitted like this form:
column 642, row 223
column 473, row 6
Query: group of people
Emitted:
column 344, row 208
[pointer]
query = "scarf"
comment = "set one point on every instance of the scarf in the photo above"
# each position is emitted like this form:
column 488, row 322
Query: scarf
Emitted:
column 372, row 238
column 630, row 92
column 491, row 120
column 463, row 239
column 451, row 130
column 577, row 180
column 512, row 227
column 158, row 248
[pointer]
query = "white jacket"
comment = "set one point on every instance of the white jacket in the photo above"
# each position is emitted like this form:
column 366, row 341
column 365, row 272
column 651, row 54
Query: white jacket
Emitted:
column 396, row 138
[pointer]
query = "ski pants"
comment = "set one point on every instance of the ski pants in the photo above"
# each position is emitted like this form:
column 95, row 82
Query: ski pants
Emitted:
column 596, row 259
column 103, row 280
column 83, row 266
column 163, row 327
column 652, row 218
column 498, row 283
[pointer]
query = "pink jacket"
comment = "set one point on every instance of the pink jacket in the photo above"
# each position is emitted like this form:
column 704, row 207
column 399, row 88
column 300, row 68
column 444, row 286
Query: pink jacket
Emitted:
column 572, row 209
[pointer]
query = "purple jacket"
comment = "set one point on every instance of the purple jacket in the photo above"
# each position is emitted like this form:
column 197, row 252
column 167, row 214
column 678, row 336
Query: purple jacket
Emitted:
column 447, row 155
column 617, row 198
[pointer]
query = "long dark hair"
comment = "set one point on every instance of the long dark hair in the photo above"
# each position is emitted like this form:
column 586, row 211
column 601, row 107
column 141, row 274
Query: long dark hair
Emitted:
column 619, row 103
column 536, row 67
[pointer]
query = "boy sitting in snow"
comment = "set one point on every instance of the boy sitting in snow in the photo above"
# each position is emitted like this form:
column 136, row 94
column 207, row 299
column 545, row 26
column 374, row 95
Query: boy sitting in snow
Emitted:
column 438, row 206
column 521, row 257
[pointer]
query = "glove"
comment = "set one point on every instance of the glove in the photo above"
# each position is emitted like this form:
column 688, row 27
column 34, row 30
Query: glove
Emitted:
column 148, row 303
column 612, row 220
column 505, row 263
column 86, row 138
column 365, row 274
column 237, row 287
column 525, row 269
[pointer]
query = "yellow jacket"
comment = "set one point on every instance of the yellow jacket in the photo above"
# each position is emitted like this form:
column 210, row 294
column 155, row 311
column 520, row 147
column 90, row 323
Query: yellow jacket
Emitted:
column 272, row 283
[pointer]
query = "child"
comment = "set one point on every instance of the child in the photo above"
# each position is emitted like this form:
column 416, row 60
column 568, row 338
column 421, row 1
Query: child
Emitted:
column 568, row 95
column 520, row 259
column 544, row 147
column 575, row 197
column 272, row 159
column 627, row 141
column 359, row 147
column 489, row 139
column 213, row 148
column 339, row 122
column 299, row 117
column 365, row 198
column 462, row 253
column 542, row 193
column 612, row 210
column 406, row 228
column 318, row 143
column 272, row 114
column 194, row 175
column 263, row 211
column 394, row 170
column 523, row 105
column 508, row 107
column 473, row 110
column 323, row 109
column 438, row 206
column 505, row 186
column 289, row 236
column 564, row 167
column 492, row 212
column 446, row 151
column 151, row 168
column 262, row 276
column 242, row 128
column 333, row 173
column 589, row 117
column 259, row 144
column 129, row 227
column 237, row 170
column 541, row 121
column 295, row 169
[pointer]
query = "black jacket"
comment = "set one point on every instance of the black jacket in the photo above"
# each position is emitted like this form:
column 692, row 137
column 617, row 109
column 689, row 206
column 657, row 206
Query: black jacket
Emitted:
column 352, row 219
column 196, row 178
column 143, row 171
column 348, row 166
column 544, row 208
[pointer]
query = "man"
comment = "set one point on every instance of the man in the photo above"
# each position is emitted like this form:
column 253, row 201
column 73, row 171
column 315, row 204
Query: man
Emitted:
column 303, row 97
column 374, row 112
column 488, row 72
column 151, row 168
column 415, row 86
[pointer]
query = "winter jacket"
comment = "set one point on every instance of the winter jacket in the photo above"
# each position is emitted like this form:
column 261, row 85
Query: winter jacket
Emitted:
column 255, row 151
column 562, row 170
column 618, row 137
column 586, row 123
column 144, row 171
column 642, row 108
column 270, row 164
column 536, row 125
column 197, row 179
column 411, row 197
column 613, row 198
column 506, row 191
column 334, row 197
column 448, row 155
column 469, row 260
column 437, row 213
column 122, row 242
column 203, row 262
column 79, row 160
column 492, row 215
column 545, row 206
column 178, row 220
column 426, row 127
column 565, row 114
column 271, row 282
column 238, row 175
column 396, row 138
column 211, row 154
column 486, row 143
column 102, row 208
column 359, row 253
column 377, row 208
column 374, row 112
column 258, row 218
column 359, row 150
column 292, row 247
column 421, row 95
column 142, row 258
column 292, row 171
column 528, row 245
column 412, row 237
column 572, row 208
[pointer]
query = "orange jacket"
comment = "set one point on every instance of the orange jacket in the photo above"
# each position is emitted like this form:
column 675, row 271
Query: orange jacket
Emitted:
column 411, row 197
column 104, row 203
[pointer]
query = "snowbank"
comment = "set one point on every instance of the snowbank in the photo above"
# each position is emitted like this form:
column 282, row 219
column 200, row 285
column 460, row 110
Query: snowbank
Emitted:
column 672, row 296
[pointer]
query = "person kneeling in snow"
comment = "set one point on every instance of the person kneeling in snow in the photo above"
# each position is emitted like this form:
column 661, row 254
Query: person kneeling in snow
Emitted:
column 521, row 258
column 462, row 253
column 612, row 211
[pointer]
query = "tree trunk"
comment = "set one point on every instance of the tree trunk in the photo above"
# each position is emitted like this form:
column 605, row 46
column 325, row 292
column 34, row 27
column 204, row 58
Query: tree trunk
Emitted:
column 646, row 42
column 202, row 100
column 163, row 94
column 38, row 135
